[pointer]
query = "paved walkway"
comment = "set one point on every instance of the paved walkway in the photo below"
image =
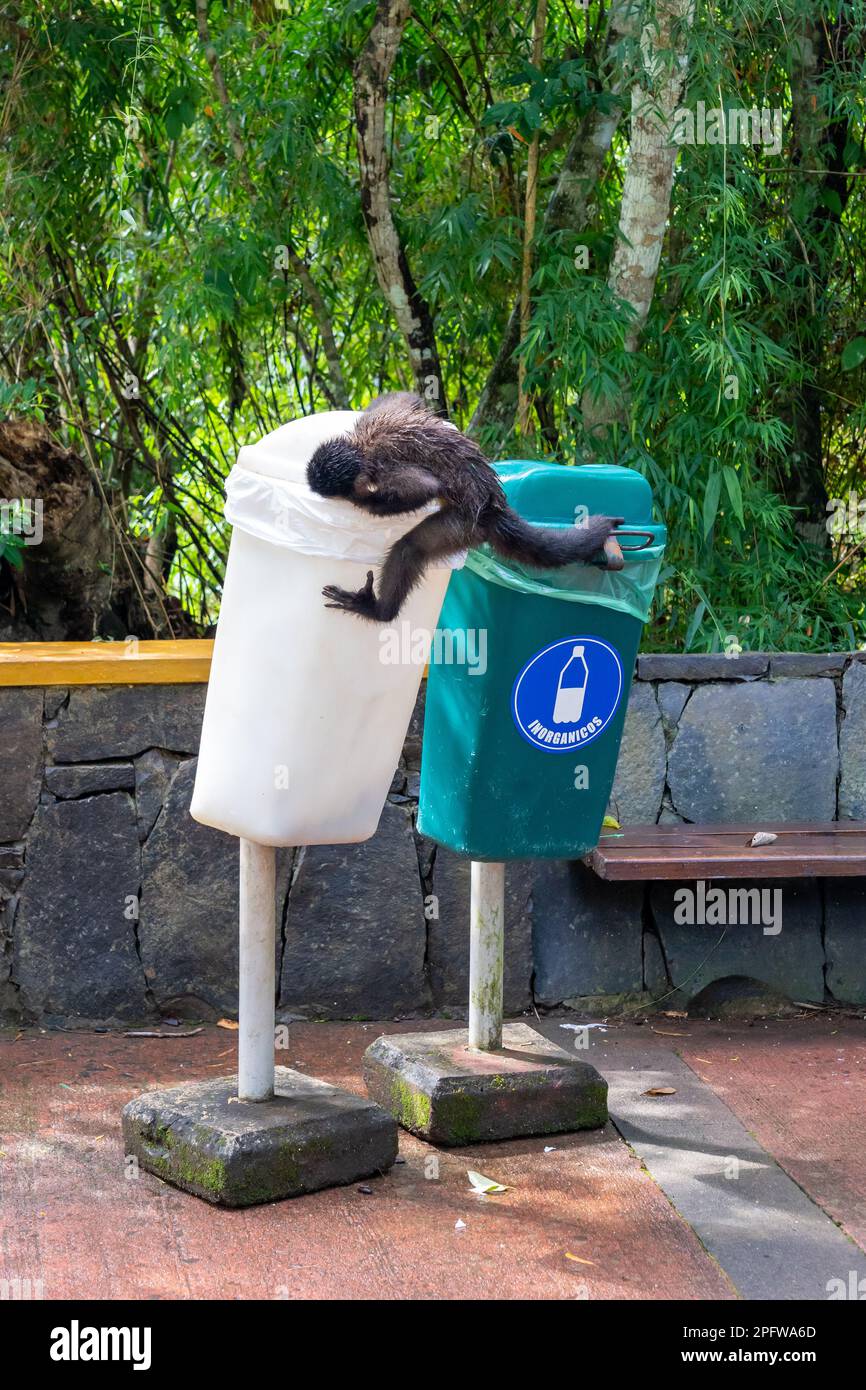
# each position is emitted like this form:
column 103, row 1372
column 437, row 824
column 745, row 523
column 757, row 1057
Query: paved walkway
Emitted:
column 786, row 1100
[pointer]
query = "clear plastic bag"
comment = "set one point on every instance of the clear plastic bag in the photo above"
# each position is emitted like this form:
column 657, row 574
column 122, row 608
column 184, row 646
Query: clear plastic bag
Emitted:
column 629, row 590
column 285, row 512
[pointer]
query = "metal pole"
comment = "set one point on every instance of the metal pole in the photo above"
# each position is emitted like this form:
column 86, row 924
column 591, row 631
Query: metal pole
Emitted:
column 486, row 955
column 256, row 972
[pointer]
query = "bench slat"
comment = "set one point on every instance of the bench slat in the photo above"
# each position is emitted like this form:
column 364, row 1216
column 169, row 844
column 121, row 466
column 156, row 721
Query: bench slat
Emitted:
column 665, row 852
column 664, row 834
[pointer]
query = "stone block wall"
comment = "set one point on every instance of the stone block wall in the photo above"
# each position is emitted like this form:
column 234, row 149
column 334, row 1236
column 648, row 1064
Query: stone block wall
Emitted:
column 116, row 907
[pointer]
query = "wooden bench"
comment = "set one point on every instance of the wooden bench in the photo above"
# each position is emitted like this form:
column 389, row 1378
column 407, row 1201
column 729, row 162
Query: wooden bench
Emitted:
column 827, row 850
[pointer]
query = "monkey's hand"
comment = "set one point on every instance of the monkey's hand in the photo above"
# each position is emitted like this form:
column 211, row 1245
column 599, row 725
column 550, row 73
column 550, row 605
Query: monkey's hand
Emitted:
column 362, row 603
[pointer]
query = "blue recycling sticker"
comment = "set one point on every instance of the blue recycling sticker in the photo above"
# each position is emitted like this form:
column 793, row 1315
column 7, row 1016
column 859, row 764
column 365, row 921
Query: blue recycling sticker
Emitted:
column 567, row 694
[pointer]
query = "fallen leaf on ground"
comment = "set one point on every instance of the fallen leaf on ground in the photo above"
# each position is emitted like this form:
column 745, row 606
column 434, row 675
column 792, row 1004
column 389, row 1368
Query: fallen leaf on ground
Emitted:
column 228, row 1023
column 482, row 1184
column 610, row 823
column 660, row 1091
column 577, row 1259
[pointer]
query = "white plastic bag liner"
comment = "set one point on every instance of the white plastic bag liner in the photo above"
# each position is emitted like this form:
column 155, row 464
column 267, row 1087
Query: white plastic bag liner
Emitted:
column 306, row 710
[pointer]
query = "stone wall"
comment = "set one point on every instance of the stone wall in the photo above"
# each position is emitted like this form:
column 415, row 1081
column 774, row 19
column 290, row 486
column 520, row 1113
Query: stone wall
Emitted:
column 116, row 907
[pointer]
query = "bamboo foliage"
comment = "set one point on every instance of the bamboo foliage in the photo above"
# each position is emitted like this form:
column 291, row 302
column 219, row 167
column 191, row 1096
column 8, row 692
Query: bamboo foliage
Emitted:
column 623, row 229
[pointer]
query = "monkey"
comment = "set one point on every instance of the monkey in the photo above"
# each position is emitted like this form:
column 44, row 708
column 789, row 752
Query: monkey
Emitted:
column 399, row 457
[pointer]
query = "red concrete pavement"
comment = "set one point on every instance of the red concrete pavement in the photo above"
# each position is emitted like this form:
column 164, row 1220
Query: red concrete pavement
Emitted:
column 71, row 1218
column 799, row 1085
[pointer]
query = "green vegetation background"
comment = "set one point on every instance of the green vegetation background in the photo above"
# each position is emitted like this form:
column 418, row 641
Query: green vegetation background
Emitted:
column 184, row 268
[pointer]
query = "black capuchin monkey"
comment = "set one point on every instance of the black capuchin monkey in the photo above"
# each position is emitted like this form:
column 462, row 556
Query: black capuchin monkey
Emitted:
column 400, row 456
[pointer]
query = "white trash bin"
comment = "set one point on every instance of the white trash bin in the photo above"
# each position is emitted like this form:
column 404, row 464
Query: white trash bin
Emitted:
column 305, row 715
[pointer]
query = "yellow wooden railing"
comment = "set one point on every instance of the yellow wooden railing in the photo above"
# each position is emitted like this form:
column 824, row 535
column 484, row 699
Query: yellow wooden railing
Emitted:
column 105, row 663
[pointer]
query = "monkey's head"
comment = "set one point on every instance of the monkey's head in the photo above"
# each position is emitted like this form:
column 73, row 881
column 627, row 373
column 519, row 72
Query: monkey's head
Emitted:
column 335, row 468
column 338, row 468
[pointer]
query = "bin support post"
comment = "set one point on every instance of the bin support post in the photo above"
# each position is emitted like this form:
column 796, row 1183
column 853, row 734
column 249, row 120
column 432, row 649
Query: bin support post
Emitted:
column 489, row 1081
column 256, row 991
column 486, row 955
column 196, row 1135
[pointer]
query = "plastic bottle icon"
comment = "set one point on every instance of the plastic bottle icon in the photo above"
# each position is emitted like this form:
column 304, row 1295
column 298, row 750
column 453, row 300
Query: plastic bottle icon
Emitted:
column 571, row 690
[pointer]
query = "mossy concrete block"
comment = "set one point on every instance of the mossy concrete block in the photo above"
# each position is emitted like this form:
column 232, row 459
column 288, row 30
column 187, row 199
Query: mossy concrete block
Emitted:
column 435, row 1086
column 233, row 1153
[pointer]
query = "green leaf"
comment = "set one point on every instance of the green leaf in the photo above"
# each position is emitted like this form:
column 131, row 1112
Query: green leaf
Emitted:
column 711, row 501
column 695, row 622
column 853, row 354
column 732, row 483
column 830, row 198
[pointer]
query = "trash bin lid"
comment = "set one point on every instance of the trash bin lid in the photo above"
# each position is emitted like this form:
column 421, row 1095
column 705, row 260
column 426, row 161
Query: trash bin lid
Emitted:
column 268, row 496
column 285, row 452
column 550, row 494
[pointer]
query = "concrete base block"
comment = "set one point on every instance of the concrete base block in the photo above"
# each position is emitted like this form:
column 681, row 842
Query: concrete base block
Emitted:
column 436, row 1087
column 201, row 1138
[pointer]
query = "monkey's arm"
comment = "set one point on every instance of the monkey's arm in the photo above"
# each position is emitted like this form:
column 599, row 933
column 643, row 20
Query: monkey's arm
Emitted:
column 436, row 536
column 390, row 493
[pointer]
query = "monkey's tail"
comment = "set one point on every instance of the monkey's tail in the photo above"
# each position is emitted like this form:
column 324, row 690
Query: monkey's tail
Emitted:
column 546, row 546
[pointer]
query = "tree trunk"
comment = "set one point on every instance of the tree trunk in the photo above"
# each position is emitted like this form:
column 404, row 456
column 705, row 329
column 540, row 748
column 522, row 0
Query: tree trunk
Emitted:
column 318, row 307
column 411, row 311
column 818, row 167
column 530, row 206
column 646, row 193
column 566, row 208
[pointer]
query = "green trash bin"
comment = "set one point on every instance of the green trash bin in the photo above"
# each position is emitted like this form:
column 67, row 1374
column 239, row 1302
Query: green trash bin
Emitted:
column 530, row 676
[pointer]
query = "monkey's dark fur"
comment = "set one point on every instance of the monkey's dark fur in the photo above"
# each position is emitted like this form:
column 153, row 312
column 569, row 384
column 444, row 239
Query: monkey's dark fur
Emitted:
column 400, row 456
